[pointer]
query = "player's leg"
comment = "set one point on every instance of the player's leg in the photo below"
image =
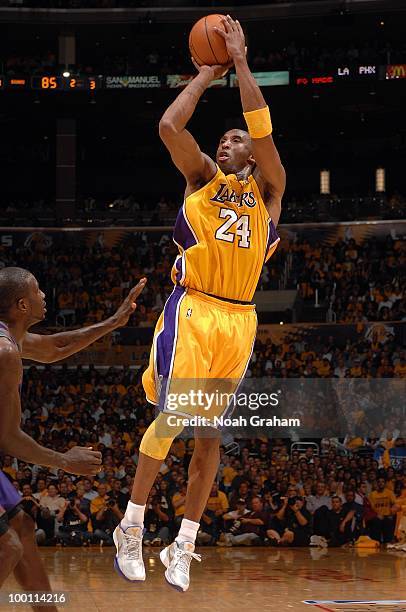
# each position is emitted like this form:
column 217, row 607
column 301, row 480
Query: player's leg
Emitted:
column 201, row 474
column 127, row 536
column 11, row 549
column 30, row 571
column 232, row 333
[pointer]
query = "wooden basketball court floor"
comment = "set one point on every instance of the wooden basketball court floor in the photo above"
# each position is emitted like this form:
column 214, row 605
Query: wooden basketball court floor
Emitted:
column 229, row 579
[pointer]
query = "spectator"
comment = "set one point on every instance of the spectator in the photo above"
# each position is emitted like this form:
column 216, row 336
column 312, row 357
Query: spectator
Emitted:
column 73, row 531
column 90, row 492
column 383, row 503
column 209, row 528
column 105, row 516
column 248, row 529
column 319, row 499
column 217, row 502
column 292, row 525
column 32, row 507
column 337, row 529
column 178, row 505
column 156, row 522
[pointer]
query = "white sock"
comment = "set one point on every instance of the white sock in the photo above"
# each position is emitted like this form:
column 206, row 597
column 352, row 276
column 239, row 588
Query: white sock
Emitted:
column 188, row 531
column 134, row 515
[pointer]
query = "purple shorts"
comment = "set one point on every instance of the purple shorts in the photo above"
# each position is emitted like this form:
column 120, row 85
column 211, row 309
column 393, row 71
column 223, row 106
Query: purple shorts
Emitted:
column 9, row 497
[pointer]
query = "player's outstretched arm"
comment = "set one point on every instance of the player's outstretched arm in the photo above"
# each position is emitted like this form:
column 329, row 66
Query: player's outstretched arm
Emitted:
column 48, row 349
column 15, row 442
column 271, row 175
column 197, row 167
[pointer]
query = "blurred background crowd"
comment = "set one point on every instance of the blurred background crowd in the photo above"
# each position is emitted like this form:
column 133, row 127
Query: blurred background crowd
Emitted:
column 265, row 493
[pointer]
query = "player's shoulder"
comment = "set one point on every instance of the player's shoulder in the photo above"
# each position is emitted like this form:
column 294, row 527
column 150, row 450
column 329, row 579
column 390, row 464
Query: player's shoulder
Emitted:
column 9, row 355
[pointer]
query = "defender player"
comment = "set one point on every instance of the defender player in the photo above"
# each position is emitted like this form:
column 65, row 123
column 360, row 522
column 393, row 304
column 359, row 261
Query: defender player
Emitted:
column 225, row 232
column 22, row 304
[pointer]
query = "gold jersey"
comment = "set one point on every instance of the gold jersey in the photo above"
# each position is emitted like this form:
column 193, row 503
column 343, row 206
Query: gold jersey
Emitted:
column 225, row 235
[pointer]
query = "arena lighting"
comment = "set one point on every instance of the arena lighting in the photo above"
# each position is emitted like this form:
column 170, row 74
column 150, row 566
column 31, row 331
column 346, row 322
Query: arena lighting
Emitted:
column 325, row 182
column 66, row 74
column 380, row 180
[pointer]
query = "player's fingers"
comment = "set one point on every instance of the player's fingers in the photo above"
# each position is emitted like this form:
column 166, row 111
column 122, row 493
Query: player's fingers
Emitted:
column 95, row 455
column 135, row 291
column 195, row 64
column 226, row 25
column 220, row 31
column 231, row 23
column 239, row 28
column 227, row 68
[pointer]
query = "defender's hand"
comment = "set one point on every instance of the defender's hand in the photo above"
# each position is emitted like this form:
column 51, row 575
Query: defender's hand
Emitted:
column 82, row 461
column 233, row 36
column 129, row 305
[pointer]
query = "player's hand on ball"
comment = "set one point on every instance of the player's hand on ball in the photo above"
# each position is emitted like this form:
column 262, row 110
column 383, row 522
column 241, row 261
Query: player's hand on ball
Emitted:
column 215, row 72
column 82, row 461
column 129, row 305
column 234, row 37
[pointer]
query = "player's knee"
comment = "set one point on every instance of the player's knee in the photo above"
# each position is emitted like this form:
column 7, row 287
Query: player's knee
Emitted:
column 204, row 448
column 11, row 548
column 158, row 438
column 204, row 444
column 23, row 524
column 27, row 527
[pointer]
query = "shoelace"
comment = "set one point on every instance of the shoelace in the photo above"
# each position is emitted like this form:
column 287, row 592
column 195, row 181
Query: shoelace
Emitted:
column 133, row 546
column 183, row 559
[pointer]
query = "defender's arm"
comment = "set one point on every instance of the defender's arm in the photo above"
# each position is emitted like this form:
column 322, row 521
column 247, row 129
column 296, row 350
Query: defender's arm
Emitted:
column 48, row 349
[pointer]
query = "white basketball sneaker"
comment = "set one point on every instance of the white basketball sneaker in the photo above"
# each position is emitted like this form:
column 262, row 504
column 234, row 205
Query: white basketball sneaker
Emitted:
column 177, row 558
column 128, row 560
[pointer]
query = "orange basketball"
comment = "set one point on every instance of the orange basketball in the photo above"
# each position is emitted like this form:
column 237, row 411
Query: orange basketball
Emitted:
column 205, row 45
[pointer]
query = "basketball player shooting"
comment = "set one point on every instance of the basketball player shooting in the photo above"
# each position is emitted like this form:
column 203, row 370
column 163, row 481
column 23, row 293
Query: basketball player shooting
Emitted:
column 22, row 304
column 225, row 232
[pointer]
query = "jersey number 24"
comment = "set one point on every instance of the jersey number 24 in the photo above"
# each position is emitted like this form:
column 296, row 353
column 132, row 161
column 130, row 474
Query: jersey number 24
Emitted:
column 235, row 226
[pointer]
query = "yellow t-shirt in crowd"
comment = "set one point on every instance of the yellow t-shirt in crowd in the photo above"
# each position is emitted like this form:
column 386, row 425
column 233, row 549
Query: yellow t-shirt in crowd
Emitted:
column 97, row 503
column 180, row 510
column 229, row 474
column 220, row 502
column 382, row 502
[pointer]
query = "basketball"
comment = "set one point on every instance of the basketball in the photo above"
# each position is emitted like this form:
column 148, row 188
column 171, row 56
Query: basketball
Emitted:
column 206, row 46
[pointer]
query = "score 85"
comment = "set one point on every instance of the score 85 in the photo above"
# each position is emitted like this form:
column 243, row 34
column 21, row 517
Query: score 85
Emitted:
column 49, row 83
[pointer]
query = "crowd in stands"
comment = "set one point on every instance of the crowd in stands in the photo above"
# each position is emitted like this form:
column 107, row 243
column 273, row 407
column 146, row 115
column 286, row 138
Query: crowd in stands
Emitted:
column 85, row 282
column 126, row 209
column 361, row 282
column 171, row 59
column 263, row 495
column 17, row 65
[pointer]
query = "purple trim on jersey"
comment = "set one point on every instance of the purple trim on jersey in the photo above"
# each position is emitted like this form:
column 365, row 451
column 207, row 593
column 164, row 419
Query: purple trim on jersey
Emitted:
column 166, row 341
column 182, row 233
column 9, row 497
column 272, row 236
column 178, row 266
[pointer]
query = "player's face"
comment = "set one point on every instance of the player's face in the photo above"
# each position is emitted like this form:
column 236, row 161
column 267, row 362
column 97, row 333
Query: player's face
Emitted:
column 234, row 152
column 37, row 301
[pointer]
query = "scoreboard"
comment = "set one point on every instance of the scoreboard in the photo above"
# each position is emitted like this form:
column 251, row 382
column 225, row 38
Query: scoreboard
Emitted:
column 51, row 83
column 333, row 76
